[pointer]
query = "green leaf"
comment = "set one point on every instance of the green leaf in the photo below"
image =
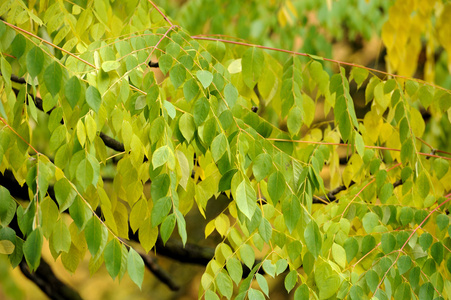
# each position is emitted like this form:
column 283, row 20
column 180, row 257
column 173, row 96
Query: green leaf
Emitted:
column 404, row 264
column 262, row 166
column 265, row 230
column 247, row 255
column 160, row 156
column 276, row 186
column 32, row 248
column 291, row 209
column 167, row 227
column 58, row 137
column 80, row 213
column 224, row 284
column 290, row 280
column 407, row 151
column 406, row 215
column 442, row 221
column 187, row 126
column 339, row 254
column 246, row 199
column 327, row 280
column 52, row 78
column 235, row 269
column 205, row 78
column 64, row 194
column 302, row 293
column 181, row 226
column 281, row 266
column 113, row 257
column 135, row 267
column 269, row 268
column 294, row 120
column 35, row 61
column 157, row 129
column 85, row 173
column 6, row 71
column 169, row 108
column 72, row 91
column 425, row 240
column 165, row 63
column 423, row 185
column 219, row 146
column 255, row 295
column 294, row 250
column 262, row 283
column 372, row 279
column 7, row 207
column 60, row 238
column 426, row 291
column 94, row 234
column 18, row 46
column 252, row 66
column 110, row 65
column 403, row 291
column 359, row 75
column 359, row 144
column 385, row 192
column 370, row 221
column 441, row 167
column 190, row 89
column 351, row 247
column 93, row 98
column 345, row 126
column 160, row 186
column 230, row 94
column 368, row 243
column 177, row 75
column 437, row 252
column 388, row 242
column 160, row 210
column 313, row 238
column 200, row 110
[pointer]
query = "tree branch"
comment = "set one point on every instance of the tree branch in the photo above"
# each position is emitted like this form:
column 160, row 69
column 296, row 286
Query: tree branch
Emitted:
column 15, row 78
column 46, row 280
column 159, row 272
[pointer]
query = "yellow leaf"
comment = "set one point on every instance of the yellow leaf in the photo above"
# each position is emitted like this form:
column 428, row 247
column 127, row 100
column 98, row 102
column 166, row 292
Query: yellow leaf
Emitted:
column 293, row 10
column 222, row 224
column 91, row 127
column 81, row 132
column 209, row 228
column 281, row 18
column 6, row 247
column 148, row 235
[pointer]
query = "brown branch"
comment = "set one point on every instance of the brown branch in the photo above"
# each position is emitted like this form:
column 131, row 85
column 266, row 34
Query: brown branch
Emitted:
column 16, row 79
column 47, row 281
column 159, row 272
column 153, row 64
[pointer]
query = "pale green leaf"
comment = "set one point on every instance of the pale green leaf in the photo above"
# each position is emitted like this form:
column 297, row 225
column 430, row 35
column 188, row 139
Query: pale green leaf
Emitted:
column 246, row 199
column 135, row 267
column 205, row 78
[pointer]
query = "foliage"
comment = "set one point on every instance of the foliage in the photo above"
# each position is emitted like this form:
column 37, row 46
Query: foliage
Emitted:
column 76, row 75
